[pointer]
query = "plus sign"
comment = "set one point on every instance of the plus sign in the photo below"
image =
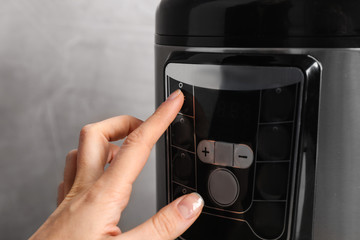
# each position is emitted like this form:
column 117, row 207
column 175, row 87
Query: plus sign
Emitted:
column 205, row 151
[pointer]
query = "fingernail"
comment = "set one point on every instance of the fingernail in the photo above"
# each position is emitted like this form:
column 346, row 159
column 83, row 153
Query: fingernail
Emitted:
column 190, row 205
column 174, row 95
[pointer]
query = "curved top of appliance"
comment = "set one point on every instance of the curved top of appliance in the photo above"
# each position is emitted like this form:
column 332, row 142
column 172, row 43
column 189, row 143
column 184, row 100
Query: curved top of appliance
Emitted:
column 321, row 23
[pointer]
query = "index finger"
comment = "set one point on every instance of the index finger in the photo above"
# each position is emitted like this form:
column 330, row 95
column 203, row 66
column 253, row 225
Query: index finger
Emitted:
column 136, row 149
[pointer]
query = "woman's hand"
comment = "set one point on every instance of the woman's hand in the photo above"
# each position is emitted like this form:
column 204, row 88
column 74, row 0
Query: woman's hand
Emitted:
column 91, row 200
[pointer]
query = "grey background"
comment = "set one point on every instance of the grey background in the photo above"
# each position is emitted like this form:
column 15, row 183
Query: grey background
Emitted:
column 63, row 64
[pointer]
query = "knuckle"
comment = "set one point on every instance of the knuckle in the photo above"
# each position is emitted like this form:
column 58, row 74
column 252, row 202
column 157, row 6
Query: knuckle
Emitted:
column 74, row 191
column 61, row 186
column 130, row 118
column 163, row 225
column 87, row 130
column 122, row 195
column 137, row 137
column 71, row 155
column 91, row 194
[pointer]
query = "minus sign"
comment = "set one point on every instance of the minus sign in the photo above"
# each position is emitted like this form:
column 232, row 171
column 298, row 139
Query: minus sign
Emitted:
column 242, row 156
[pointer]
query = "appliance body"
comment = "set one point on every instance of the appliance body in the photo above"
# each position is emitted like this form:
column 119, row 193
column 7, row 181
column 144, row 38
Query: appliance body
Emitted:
column 269, row 130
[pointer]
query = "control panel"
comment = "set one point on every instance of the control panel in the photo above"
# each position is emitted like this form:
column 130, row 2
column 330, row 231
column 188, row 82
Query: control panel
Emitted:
column 235, row 143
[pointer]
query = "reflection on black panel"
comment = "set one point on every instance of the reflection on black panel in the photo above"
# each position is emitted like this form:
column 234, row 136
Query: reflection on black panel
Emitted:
column 271, row 181
column 268, row 219
column 274, row 142
column 186, row 89
column 278, row 104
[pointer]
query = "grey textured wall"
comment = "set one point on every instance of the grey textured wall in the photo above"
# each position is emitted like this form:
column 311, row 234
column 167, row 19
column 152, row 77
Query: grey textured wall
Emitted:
column 65, row 63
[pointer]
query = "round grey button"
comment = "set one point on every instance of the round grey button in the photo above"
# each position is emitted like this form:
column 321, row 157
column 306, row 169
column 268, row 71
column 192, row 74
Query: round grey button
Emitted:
column 223, row 187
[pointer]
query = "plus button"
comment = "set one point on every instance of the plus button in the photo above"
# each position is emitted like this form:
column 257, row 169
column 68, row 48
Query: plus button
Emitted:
column 205, row 151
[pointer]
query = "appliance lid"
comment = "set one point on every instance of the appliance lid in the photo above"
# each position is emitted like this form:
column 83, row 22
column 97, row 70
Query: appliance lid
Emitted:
column 321, row 23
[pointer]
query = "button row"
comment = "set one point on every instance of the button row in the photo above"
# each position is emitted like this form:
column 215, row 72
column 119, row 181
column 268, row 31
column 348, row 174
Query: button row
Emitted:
column 225, row 154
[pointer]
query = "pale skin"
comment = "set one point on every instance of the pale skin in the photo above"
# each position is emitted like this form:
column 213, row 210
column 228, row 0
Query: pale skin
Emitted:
column 91, row 199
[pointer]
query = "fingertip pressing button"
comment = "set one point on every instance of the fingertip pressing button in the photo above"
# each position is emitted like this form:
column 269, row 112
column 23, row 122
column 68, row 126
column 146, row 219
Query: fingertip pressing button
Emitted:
column 205, row 151
column 243, row 156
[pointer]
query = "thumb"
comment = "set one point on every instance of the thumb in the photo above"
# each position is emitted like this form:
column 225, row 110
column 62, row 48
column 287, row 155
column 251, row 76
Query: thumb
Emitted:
column 171, row 221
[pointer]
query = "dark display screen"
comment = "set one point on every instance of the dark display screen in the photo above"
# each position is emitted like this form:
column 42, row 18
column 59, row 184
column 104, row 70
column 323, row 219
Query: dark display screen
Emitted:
column 227, row 116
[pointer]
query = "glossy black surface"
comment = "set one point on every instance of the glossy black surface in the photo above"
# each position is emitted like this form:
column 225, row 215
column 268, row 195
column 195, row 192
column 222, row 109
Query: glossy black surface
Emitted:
column 268, row 219
column 218, row 228
column 235, row 117
column 271, row 181
column 256, row 23
column 182, row 132
column 183, row 167
column 228, row 116
column 278, row 104
column 269, row 224
column 275, row 142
